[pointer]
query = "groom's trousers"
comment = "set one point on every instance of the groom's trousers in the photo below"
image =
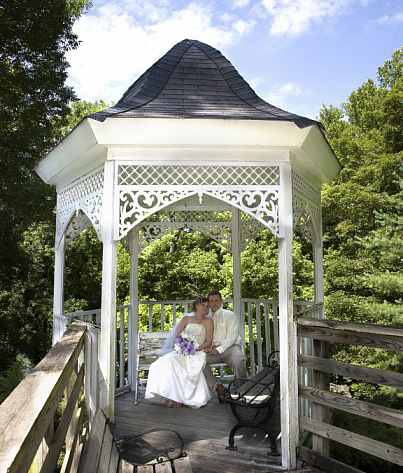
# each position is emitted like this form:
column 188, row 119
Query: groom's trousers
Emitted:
column 234, row 357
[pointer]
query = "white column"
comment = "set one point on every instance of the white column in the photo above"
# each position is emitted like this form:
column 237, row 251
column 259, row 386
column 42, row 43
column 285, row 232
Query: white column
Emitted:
column 59, row 326
column 108, row 304
column 287, row 326
column 318, row 270
column 236, row 264
column 134, row 301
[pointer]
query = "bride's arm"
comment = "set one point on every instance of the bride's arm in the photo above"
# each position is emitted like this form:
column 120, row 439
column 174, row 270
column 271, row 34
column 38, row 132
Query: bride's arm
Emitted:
column 181, row 326
column 209, row 335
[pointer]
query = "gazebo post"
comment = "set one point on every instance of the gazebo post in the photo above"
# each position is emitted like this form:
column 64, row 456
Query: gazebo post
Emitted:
column 318, row 270
column 236, row 261
column 58, row 292
column 287, row 326
column 108, row 304
column 320, row 349
column 134, row 302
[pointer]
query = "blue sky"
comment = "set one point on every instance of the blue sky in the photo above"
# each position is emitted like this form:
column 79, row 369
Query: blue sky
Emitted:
column 296, row 54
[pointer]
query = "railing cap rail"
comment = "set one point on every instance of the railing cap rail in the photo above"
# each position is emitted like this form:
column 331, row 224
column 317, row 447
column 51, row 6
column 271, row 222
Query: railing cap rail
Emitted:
column 359, row 327
column 24, row 413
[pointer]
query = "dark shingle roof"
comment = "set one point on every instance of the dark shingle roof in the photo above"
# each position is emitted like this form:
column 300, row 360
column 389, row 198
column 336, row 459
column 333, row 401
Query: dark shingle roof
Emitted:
column 194, row 80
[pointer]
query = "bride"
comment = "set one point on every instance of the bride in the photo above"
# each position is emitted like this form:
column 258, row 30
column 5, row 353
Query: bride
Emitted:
column 178, row 379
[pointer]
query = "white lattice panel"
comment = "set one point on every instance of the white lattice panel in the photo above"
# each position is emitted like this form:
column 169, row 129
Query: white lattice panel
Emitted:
column 85, row 196
column 79, row 191
column 302, row 186
column 249, row 229
column 306, row 209
column 188, row 175
column 77, row 224
column 135, row 206
column 218, row 231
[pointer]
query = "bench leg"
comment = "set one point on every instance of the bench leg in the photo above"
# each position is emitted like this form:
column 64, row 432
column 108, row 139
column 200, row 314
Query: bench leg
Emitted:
column 231, row 438
column 273, row 445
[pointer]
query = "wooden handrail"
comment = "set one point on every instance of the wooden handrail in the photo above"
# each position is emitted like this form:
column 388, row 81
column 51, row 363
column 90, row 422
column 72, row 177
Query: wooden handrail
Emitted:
column 376, row 336
column 323, row 331
column 28, row 411
column 359, row 327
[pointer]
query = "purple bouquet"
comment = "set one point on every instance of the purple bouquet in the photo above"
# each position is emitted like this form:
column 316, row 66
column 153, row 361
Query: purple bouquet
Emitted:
column 185, row 345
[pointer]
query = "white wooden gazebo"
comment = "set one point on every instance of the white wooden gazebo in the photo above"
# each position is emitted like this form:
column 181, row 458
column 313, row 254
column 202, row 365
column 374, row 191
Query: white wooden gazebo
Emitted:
column 190, row 135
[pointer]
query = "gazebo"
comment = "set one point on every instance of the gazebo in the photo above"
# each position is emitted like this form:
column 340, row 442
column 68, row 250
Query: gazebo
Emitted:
column 190, row 135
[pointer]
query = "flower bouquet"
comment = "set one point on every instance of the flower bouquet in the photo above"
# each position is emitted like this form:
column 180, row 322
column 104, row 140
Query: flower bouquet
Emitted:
column 185, row 345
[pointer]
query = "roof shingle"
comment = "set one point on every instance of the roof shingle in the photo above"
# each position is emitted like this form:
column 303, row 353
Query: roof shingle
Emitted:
column 194, row 80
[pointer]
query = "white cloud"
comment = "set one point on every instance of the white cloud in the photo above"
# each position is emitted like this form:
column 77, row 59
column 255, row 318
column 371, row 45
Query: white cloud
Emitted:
column 390, row 20
column 243, row 27
column 292, row 98
column 295, row 17
column 255, row 82
column 240, row 3
column 119, row 42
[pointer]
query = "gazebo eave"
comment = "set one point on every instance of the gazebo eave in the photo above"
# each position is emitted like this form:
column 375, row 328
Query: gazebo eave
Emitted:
column 92, row 143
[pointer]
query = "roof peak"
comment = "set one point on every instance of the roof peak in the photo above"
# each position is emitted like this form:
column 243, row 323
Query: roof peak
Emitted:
column 195, row 80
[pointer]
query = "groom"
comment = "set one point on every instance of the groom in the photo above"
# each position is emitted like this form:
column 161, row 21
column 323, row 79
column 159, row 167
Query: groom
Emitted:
column 226, row 344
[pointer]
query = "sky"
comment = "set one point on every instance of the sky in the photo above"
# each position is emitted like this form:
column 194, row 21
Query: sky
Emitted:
column 296, row 54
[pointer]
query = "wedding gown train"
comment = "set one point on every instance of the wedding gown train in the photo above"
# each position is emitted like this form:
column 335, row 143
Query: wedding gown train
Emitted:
column 178, row 377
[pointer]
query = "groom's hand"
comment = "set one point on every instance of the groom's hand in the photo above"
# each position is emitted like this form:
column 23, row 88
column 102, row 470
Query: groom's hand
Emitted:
column 211, row 351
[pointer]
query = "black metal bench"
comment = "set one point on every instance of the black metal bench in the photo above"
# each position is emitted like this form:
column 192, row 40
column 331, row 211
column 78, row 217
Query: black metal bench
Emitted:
column 253, row 400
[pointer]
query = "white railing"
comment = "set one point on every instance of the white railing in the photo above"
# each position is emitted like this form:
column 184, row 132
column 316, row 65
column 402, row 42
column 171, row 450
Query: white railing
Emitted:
column 260, row 334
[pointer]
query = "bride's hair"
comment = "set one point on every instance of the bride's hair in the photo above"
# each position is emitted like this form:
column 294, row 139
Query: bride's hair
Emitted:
column 198, row 300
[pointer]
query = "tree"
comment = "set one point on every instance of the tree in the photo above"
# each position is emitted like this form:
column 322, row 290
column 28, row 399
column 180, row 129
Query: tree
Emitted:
column 363, row 237
column 34, row 37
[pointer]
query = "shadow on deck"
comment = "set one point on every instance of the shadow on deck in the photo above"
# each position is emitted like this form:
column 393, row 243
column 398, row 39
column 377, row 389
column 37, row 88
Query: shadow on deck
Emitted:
column 205, row 434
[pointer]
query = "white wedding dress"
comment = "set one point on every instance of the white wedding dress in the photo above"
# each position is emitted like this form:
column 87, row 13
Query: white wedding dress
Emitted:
column 180, row 377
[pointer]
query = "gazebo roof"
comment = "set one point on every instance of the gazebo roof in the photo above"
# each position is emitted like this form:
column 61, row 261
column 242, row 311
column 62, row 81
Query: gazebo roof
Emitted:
column 194, row 80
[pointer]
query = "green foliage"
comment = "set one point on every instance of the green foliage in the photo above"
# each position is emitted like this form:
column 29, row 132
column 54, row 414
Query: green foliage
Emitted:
column 14, row 374
column 181, row 265
column 34, row 38
column 34, row 100
column 363, row 238
column 368, row 428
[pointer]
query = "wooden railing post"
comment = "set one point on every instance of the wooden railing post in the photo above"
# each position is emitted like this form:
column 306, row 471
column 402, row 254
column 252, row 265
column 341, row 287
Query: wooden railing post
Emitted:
column 320, row 380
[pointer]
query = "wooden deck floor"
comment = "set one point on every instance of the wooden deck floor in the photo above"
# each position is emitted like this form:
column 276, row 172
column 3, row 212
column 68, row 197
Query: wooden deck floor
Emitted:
column 205, row 434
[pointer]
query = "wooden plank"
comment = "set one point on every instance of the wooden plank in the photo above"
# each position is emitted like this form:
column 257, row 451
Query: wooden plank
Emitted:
column 182, row 465
column 371, row 375
column 163, row 467
column 151, row 335
column 125, row 467
column 121, row 348
column 319, row 412
column 27, row 412
column 267, row 329
column 259, row 337
column 92, row 454
column 143, row 469
column 79, row 450
column 359, row 327
column 106, row 451
column 275, row 326
column 75, row 429
column 353, row 406
column 251, row 342
column 365, row 444
column 320, row 331
column 55, row 447
column 114, row 461
column 327, row 464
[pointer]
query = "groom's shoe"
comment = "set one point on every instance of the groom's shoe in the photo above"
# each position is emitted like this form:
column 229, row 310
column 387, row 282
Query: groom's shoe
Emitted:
column 221, row 393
